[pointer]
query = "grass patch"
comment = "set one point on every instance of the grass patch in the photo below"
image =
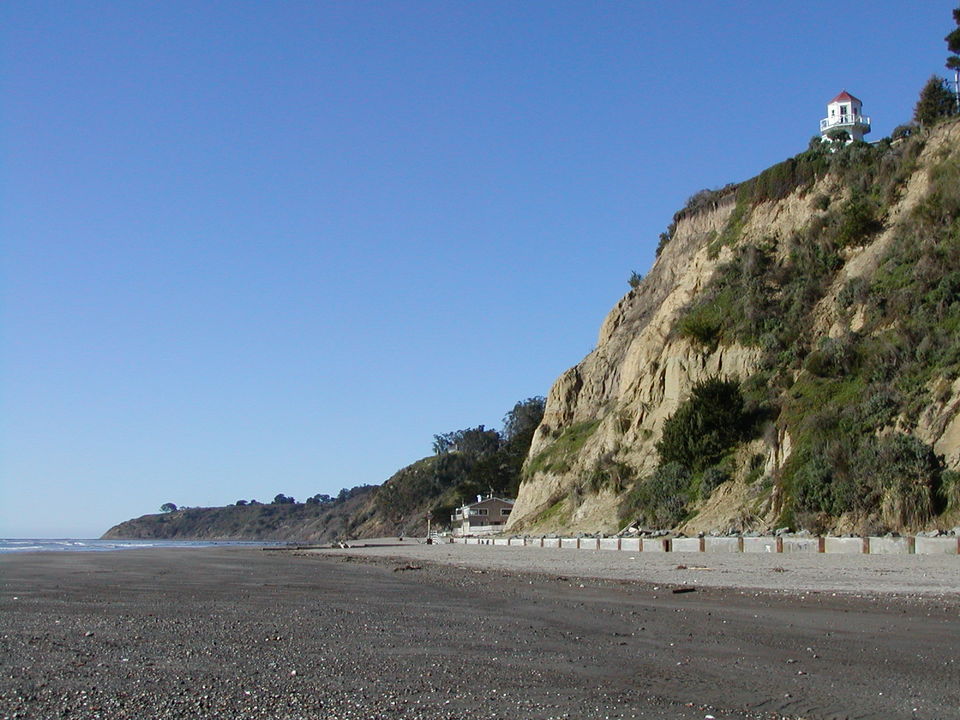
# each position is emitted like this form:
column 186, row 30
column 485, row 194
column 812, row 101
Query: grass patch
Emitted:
column 557, row 514
column 558, row 457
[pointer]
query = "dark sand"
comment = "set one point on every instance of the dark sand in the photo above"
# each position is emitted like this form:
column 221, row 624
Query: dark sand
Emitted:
column 242, row 633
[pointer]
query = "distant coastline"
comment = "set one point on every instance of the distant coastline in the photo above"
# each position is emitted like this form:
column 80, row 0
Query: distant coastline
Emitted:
column 27, row 545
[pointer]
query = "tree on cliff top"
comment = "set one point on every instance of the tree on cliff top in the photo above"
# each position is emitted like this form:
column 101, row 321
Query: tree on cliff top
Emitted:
column 953, row 61
column 935, row 102
column 523, row 419
column 953, row 43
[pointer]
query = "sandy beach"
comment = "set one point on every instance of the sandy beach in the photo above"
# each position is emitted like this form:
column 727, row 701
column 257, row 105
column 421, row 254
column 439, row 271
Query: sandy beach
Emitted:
column 414, row 631
column 864, row 575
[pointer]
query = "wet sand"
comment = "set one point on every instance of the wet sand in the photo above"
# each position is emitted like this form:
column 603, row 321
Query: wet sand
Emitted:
column 389, row 632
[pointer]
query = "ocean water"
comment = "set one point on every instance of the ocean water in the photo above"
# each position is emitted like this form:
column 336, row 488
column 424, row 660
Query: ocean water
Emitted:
column 19, row 545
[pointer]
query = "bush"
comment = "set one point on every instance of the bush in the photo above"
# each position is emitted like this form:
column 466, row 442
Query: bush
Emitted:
column 857, row 223
column 712, row 478
column 894, row 476
column 949, row 490
column 832, row 358
column 660, row 500
column 666, row 237
column 608, row 472
column 706, row 426
column 854, row 292
column 902, row 132
column 818, row 489
column 702, row 324
column 906, row 505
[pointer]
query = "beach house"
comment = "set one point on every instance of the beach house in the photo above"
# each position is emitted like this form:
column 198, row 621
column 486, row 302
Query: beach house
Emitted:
column 487, row 515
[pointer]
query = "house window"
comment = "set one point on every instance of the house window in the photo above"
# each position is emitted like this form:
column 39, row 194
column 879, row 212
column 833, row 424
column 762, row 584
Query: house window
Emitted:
column 504, row 512
column 480, row 511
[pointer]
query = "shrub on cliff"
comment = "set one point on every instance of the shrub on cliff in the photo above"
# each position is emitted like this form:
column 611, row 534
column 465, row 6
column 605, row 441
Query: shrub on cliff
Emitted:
column 706, row 426
column 660, row 500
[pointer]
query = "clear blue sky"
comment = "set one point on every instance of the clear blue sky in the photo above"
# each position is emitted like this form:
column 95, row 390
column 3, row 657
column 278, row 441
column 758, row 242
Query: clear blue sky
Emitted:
column 255, row 247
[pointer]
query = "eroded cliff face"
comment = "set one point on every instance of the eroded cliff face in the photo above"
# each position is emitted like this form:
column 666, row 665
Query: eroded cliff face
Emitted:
column 607, row 412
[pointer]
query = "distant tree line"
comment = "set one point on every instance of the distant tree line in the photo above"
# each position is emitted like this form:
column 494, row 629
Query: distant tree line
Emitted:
column 318, row 499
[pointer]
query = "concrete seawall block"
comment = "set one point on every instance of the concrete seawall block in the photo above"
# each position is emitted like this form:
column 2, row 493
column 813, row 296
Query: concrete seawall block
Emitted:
column 937, row 546
column 721, row 544
column 501, row 541
column 801, row 545
column 569, row 543
column 843, row 546
column 654, row 545
column 890, row 546
column 759, row 544
column 608, row 543
column 685, row 545
column 631, row 544
column 551, row 542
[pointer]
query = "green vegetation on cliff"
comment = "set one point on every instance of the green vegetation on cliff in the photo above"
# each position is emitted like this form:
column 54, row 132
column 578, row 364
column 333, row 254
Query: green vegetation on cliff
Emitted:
column 850, row 400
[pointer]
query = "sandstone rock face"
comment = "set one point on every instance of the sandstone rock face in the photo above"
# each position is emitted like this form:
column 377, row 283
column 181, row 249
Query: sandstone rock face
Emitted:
column 612, row 405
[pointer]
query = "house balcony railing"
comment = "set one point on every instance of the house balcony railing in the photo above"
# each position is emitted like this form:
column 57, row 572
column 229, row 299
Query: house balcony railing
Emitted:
column 844, row 121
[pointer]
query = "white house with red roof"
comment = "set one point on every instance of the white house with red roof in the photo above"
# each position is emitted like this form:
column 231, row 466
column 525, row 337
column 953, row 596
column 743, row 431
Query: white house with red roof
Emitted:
column 845, row 112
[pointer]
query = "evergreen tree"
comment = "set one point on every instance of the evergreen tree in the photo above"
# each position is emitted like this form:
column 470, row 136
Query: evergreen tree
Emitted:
column 953, row 43
column 953, row 61
column 935, row 102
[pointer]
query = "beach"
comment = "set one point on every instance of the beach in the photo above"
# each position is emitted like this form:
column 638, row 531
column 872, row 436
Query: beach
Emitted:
column 407, row 630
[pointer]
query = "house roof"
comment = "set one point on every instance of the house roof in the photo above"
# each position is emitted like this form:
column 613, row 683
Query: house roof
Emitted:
column 845, row 97
column 488, row 499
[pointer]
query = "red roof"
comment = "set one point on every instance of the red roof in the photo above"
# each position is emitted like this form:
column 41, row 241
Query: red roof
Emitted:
column 845, row 97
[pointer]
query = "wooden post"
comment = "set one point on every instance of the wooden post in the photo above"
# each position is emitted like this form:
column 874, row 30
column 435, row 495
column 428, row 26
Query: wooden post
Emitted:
column 703, row 544
column 779, row 544
column 821, row 544
column 866, row 545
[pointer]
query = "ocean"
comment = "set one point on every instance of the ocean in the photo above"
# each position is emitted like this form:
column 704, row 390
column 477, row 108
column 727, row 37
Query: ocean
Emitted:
column 19, row 545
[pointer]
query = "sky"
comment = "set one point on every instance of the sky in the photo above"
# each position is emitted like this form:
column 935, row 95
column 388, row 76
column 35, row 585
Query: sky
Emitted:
column 251, row 248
